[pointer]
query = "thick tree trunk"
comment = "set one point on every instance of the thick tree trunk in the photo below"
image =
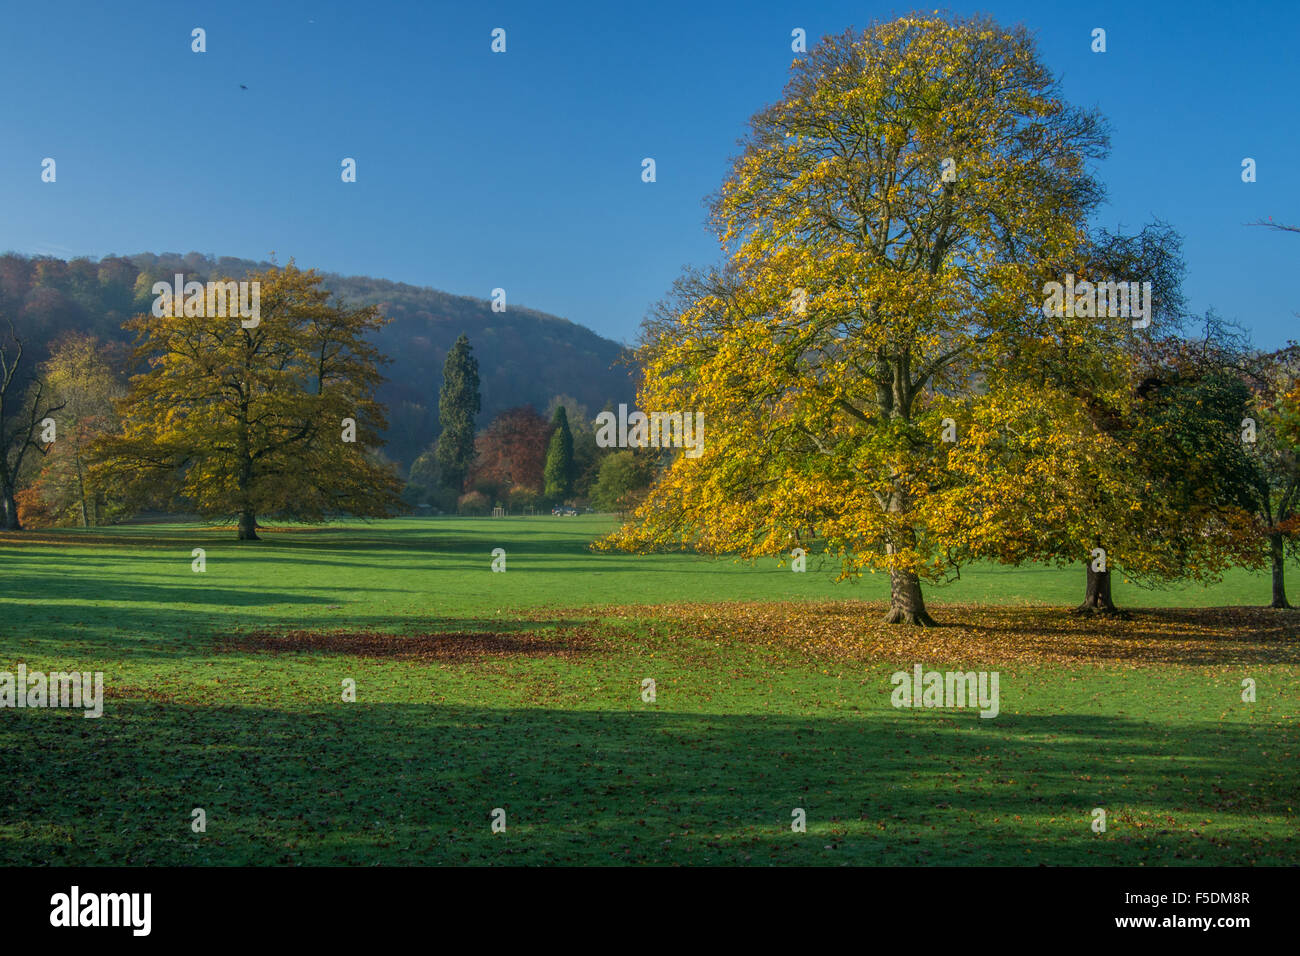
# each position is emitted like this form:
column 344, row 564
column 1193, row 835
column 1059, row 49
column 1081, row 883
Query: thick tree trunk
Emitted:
column 1279, row 571
column 906, row 605
column 9, row 510
column 1096, row 599
column 248, row 526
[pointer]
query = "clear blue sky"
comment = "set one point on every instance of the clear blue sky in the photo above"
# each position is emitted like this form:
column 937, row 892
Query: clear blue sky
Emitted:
column 523, row 170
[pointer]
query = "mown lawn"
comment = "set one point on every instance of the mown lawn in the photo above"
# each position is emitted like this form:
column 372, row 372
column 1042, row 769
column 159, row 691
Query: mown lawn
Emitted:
column 523, row 691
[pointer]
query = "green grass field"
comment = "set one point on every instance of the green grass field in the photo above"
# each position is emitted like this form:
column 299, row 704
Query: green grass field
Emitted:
column 522, row 691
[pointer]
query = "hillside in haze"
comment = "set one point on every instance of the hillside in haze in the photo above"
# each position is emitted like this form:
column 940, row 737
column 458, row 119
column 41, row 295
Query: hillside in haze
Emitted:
column 525, row 357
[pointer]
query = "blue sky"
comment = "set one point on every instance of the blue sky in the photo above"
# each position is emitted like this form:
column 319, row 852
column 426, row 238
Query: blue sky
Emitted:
column 523, row 170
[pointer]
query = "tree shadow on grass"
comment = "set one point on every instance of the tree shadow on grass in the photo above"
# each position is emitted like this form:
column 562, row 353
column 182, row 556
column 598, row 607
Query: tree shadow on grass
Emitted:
column 416, row 784
column 1186, row 636
column 41, row 591
column 341, row 549
column 60, row 630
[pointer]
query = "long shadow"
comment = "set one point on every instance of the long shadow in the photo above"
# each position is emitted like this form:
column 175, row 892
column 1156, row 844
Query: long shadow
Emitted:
column 111, row 581
column 1161, row 635
column 416, row 784
column 40, row 590
column 443, row 546
column 302, row 553
column 340, row 540
column 188, row 633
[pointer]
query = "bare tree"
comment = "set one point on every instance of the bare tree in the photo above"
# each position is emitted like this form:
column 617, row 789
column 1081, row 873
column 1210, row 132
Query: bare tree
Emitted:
column 1275, row 225
column 20, row 420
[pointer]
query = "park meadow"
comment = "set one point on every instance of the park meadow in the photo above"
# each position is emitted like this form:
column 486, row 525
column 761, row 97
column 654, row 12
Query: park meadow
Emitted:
column 524, row 691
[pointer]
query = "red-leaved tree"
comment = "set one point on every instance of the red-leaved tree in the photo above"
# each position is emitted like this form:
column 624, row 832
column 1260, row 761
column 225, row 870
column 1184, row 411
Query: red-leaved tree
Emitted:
column 511, row 452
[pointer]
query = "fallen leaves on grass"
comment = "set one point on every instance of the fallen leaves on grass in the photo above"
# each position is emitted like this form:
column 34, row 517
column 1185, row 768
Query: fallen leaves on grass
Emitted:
column 854, row 630
column 846, row 631
column 114, row 691
column 562, row 642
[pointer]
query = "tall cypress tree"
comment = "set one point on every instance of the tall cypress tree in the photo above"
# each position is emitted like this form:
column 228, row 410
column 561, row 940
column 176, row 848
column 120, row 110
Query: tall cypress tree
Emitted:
column 458, row 403
column 558, row 476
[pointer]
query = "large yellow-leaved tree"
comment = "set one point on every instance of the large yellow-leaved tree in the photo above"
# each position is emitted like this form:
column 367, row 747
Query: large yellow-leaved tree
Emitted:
column 888, row 230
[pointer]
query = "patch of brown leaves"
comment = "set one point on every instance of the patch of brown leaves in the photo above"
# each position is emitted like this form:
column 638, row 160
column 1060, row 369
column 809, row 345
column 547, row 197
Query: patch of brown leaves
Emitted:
column 157, row 695
column 563, row 642
column 855, row 630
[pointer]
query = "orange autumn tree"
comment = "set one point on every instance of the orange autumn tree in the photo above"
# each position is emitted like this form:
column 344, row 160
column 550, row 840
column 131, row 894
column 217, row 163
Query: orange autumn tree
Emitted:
column 888, row 226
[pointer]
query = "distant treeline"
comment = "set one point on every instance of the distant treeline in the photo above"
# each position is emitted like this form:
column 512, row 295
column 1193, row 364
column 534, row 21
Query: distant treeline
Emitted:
column 525, row 357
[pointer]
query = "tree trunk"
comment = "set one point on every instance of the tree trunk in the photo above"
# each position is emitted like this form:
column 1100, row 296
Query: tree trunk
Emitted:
column 248, row 525
column 1096, row 599
column 9, row 510
column 1279, row 571
column 81, row 493
column 906, row 605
